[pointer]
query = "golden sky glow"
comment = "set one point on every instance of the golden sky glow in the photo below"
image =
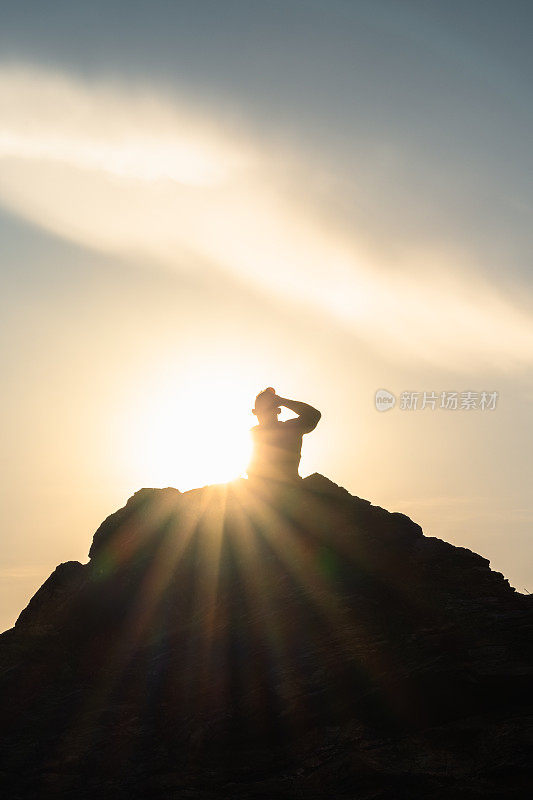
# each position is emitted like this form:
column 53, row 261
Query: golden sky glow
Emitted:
column 187, row 433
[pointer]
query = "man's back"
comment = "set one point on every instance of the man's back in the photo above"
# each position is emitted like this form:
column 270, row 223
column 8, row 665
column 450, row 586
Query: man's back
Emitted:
column 276, row 450
column 277, row 446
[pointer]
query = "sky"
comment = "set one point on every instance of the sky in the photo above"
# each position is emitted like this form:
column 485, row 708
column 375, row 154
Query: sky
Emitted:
column 201, row 199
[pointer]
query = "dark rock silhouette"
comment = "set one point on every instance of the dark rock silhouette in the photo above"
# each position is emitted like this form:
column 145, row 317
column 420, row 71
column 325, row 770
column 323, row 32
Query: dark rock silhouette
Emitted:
column 241, row 641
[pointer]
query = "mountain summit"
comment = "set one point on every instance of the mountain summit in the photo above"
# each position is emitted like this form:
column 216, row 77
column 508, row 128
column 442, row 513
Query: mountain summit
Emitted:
column 245, row 641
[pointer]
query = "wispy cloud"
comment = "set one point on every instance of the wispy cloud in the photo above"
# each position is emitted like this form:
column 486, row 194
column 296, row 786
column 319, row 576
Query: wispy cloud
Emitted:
column 463, row 509
column 132, row 171
column 23, row 572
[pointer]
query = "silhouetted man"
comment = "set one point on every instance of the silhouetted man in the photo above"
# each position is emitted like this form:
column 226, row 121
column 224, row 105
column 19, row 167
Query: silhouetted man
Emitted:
column 277, row 445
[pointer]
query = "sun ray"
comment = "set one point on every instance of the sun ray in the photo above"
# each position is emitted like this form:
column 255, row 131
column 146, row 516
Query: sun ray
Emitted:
column 346, row 629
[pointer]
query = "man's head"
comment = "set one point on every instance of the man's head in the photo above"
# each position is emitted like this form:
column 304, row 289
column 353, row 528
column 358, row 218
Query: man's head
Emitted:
column 266, row 409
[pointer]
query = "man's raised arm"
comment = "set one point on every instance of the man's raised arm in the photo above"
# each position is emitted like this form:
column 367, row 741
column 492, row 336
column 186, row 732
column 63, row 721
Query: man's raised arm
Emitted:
column 308, row 417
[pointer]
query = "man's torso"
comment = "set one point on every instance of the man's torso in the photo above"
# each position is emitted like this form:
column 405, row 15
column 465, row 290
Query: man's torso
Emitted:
column 276, row 450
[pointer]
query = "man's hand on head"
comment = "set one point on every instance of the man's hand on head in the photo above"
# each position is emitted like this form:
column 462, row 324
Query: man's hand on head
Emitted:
column 273, row 397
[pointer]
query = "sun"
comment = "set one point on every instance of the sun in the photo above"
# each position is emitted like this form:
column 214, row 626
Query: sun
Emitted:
column 189, row 430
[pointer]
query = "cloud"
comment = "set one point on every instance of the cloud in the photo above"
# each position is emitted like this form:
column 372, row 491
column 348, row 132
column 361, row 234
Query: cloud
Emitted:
column 127, row 170
column 22, row 572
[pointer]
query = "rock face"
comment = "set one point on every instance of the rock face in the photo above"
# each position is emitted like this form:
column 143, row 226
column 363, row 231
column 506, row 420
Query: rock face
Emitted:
column 238, row 641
